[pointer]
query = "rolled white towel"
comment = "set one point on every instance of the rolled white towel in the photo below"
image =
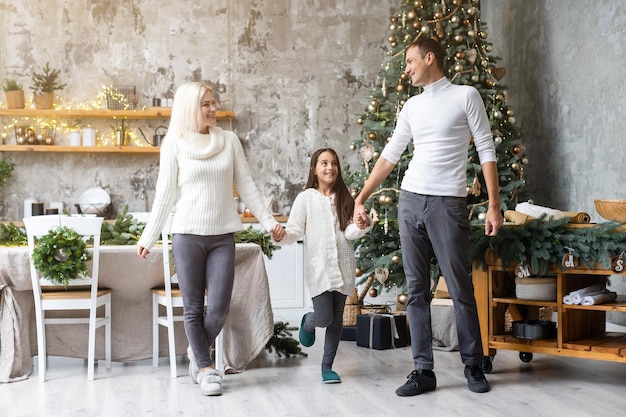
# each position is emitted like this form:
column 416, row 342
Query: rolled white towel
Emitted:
column 577, row 296
column 604, row 296
column 536, row 211
column 567, row 299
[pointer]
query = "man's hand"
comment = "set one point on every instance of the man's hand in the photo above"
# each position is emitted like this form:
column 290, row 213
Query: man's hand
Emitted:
column 493, row 221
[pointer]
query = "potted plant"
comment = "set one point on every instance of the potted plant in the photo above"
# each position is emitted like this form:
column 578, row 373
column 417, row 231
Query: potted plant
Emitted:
column 45, row 83
column 14, row 94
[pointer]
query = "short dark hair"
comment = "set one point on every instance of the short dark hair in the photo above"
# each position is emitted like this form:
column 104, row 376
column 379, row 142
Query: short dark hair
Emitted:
column 426, row 45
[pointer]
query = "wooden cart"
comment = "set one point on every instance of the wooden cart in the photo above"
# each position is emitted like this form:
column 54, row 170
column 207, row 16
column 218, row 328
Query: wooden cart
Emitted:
column 581, row 330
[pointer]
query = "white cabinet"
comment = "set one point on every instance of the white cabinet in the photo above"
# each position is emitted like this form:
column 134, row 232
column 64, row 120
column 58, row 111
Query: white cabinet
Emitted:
column 285, row 272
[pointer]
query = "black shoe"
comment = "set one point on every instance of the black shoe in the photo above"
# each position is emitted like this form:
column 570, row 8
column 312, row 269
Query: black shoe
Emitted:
column 476, row 381
column 419, row 381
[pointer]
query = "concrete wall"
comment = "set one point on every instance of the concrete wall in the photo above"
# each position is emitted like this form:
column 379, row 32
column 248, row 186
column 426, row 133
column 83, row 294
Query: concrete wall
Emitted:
column 565, row 62
column 294, row 72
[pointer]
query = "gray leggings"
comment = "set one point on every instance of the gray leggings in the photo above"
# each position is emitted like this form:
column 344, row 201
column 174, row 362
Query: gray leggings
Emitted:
column 327, row 312
column 204, row 263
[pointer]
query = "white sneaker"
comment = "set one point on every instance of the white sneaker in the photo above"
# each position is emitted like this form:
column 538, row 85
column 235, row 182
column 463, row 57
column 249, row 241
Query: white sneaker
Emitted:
column 193, row 366
column 210, row 382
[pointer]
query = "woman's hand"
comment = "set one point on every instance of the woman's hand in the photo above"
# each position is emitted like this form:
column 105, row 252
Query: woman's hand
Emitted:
column 142, row 252
column 277, row 232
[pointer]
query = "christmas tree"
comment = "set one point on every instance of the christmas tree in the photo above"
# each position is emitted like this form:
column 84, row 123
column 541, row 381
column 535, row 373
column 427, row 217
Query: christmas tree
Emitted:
column 457, row 26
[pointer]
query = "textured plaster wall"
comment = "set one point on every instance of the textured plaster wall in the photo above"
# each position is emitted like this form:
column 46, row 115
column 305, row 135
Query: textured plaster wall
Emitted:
column 565, row 61
column 295, row 73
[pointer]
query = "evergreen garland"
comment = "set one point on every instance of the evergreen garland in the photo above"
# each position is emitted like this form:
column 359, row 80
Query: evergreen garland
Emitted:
column 542, row 243
column 282, row 342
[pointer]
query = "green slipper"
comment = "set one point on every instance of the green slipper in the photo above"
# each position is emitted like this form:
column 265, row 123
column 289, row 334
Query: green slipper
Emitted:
column 306, row 339
column 330, row 377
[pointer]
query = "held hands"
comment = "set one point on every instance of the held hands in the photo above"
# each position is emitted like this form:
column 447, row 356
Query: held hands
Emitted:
column 277, row 232
column 360, row 217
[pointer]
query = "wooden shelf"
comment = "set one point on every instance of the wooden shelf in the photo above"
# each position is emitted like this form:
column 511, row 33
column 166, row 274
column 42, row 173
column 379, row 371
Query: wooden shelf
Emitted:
column 81, row 149
column 151, row 113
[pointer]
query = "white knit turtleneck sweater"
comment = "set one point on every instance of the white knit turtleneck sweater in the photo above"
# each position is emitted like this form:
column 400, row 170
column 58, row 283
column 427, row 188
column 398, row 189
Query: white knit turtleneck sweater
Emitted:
column 441, row 121
column 197, row 173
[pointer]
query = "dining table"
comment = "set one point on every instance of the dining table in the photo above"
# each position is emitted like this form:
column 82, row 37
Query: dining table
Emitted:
column 248, row 328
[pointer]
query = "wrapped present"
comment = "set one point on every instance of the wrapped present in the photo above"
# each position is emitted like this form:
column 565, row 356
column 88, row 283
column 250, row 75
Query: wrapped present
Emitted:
column 348, row 333
column 381, row 331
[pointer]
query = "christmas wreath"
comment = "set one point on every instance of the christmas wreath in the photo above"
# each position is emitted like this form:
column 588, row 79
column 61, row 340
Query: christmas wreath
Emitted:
column 60, row 255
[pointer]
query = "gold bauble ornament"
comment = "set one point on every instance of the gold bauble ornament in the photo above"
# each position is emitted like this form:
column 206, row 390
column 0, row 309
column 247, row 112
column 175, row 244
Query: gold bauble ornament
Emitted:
column 511, row 120
column 394, row 45
column 372, row 136
column 488, row 48
column 411, row 15
column 438, row 15
column 403, row 76
column 510, row 112
column 457, row 3
column 459, row 55
column 373, row 292
column 416, row 25
column 388, row 200
column 458, row 68
column 401, row 301
column 483, row 35
column 395, row 259
column 455, row 19
column 425, row 30
column 408, row 38
column 392, row 26
column 417, row 3
column 471, row 33
column 400, row 88
column 381, row 199
column 359, row 121
column 392, row 39
column 354, row 193
column 358, row 272
column 475, row 78
column 394, row 19
column 458, row 38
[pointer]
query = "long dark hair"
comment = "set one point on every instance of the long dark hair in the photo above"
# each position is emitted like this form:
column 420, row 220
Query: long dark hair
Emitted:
column 343, row 198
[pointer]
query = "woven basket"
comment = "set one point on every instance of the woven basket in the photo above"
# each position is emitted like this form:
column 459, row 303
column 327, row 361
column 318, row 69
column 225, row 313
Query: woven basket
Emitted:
column 350, row 312
column 543, row 289
column 611, row 209
column 375, row 309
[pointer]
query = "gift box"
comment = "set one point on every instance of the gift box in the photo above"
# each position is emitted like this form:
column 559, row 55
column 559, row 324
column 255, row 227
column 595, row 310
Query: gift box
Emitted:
column 381, row 331
column 348, row 333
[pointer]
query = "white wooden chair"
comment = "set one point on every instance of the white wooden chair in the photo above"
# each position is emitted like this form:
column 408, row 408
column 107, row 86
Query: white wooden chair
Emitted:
column 171, row 298
column 87, row 297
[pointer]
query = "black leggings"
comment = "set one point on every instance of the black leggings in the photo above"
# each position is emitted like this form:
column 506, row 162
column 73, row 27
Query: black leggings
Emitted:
column 328, row 313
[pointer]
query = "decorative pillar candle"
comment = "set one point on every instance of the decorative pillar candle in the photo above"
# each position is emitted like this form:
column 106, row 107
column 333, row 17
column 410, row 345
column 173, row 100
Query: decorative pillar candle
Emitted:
column 74, row 138
column 52, row 211
column 89, row 136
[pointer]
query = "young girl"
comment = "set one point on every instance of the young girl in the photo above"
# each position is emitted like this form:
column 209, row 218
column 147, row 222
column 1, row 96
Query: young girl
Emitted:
column 322, row 214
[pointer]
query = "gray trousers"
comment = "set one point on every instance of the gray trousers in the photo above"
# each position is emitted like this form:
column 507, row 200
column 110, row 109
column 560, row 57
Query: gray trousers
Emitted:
column 327, row 312
column 204, row 263
column 439, row 225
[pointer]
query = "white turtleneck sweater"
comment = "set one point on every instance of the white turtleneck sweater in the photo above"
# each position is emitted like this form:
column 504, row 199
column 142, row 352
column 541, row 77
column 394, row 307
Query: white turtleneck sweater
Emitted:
column 441, row 121
column 197, row 173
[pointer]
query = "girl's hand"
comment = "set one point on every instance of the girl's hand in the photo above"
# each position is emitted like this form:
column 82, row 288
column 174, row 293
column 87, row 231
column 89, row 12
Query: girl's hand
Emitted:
column 277, row 232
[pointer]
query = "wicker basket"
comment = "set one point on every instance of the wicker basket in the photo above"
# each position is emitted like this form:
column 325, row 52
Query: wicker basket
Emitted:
column 350, row 312
column 375, row 309
column 543, row 289
column 611, row 209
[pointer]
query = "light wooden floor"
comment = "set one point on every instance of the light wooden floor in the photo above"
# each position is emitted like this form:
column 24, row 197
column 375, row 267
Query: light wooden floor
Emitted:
column 547, row 386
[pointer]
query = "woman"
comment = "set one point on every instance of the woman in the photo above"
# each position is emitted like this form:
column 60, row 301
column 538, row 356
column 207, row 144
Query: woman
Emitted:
column 200, row 164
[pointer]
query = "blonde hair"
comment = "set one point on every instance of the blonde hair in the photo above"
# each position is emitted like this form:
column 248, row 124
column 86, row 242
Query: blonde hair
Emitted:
column 186, row 110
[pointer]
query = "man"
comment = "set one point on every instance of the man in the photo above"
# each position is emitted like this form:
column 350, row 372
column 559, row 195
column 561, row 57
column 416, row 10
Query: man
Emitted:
column 432, row 209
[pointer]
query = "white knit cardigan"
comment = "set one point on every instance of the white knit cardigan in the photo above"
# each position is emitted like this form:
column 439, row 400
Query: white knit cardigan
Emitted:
column 329, row 263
